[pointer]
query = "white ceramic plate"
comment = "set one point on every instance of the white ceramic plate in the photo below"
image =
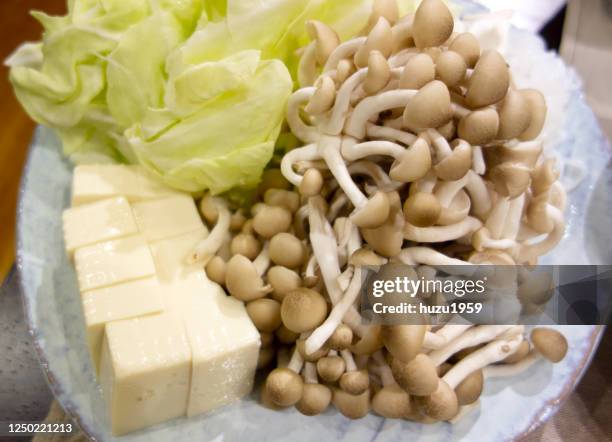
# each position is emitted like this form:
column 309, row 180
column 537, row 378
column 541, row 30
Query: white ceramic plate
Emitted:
column 509, row 407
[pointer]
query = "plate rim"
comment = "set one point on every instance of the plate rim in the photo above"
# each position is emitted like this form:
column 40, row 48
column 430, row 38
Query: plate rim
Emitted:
column 546, row 411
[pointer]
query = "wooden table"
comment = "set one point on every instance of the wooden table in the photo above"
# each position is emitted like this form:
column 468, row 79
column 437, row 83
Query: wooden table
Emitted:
column 16, row 26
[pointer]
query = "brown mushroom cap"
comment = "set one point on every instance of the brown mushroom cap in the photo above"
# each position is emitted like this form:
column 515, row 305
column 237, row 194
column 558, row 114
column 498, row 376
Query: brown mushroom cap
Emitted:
column 387, row 239
column 325, row 37
column 514, row 115
column 311, row 183
column 479, row 127
column 457, row 164
column 242, row 280
column 355, row 382
column 237, row 220
column 510, row 179
column 470, row 389
column 245, row 244
column 417, row 72
column 378, row 74
column 379, row 38
column 430, row 107
column 537, row 106
column 422, row 209
column 350, row 405
column 468, row 47
column 550, row 343
column 286, row 250
column 365, row 257
column 264, row 399
column 341, row 338
column 374, row 213
column 215, row 270
column 391, row 402
column 270, row 220
column 265, row 314
column 543, row 176
column 284, row 387
column 521, row 352
column 403, row 341
column 303, row 310
column 283, row 281
column 418, row 377
column 384, row 8
column 449, row 130
column 315, row 399
column 450, row 68
column 282, row 198
column 489, row 81
column 208, row 209
column 458, row 209
column 330, row 368
column 300, row 346
column 413, row 164
column 369, row 343
column 286, row 336
column 266, row 356
column 433, row 24
column 442, row 404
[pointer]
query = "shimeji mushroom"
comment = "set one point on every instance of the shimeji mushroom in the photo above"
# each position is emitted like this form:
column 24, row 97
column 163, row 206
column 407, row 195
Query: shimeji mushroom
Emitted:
column 284, row 386
column 265, row 314
column 353, row 380
column 341, row 338
column 287, row 250
column 489, row 81
column 331, row 367
column 282, row 280
column 243, row 278
column 379, row 39
column 550, row 343
column 350, row 405
column 403, row 341
column 419, row 376
column 270, row 220
column 316, row 397
column 433, row 24
column 246, row 244
column 215, row 270
column 391, row 401
column 208, row 247
column 303, row 310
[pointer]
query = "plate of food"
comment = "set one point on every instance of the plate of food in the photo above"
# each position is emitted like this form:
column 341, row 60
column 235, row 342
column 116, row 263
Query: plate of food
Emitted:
column 209, row 181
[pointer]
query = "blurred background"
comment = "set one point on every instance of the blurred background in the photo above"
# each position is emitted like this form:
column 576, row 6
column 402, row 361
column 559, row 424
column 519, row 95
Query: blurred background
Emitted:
column 579, row 30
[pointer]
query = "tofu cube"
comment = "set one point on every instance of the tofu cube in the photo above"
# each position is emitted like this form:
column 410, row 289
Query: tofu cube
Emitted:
column 127, row 300
column 170, row 255
column 167, row 217
column 100, row 221
column 144, row 371
column 112, row 262
column 99, row 181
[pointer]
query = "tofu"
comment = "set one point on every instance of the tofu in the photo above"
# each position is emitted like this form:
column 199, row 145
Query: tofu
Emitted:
column 127, row 300
column 170, row 255
column 167, row 217
column 112, row 262
column 223, row 340
column 100, row 221
column 99, row 181
column 145, row 371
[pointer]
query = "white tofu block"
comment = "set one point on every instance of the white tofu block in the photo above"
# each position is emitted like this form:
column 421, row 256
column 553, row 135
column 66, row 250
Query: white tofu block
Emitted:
column 112, row 262
column 170, row 255
column 122, row 301
column 144, row 371
column 100, row 221
column 99, row 181
column 167, row 217
column 224, row 342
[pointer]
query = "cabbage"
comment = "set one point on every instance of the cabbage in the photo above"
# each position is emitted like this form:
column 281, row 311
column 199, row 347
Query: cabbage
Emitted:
column 194, row 90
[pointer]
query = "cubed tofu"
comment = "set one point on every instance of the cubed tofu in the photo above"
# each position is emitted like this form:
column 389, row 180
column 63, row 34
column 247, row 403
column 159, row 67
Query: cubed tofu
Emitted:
column 100, row 221
column 167, row 217
column 223, row 340
column 112, row 262
column 93, row 182
column 127, row 300
column 170, row 255
column 145, row 371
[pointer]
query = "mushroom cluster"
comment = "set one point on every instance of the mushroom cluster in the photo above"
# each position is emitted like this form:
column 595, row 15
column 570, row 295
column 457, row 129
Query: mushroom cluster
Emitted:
column 417, row 149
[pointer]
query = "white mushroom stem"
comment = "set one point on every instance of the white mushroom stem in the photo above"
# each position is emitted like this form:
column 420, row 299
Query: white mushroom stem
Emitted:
column 345, row 278
column 390, row 133
column 376, row 173
column 337, row 205
column 479, row 194
column 436, row 234
column 478, row 163
column 447, row 190
column 348, row 360
column 296, row 362
column 464, row 411
column 300, row 129
column 459, row 111
column 357, row 151
column 497, row 218
column 322, row 333
column 472, row 337
column 531, row 251
column 558, row 196
column 342, row 51
column 507, row 370
column 340, row 110
column 428, row 256
column 491, row 353
column 310, row 373
column 325, row 250
column 307, row 67
column 513, row 220
column 329, row 149
column 443, row 149
column 305, row 153
column 402, row 57
column 427, row 183
column 309, row 272
column 384, row 371
column 262, row 261
column 208, row 247
column 374, row 105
